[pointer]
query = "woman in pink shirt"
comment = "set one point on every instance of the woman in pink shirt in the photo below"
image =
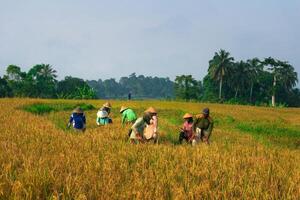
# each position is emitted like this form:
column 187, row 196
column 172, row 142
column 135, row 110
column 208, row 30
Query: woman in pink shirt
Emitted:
column 187, row 132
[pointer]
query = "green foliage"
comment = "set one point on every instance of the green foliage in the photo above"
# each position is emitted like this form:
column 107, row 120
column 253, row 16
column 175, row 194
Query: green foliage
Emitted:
column 271, row 133
column 41, row 79
column 16, row 80
column 187, row 88
column 210, row 88
column 219, row 68
column 284, row 75
column 248, row 82
column 41, row 108
column 68, row 88
column 79, row 93
column 5, row 90
column 84, row 93
column 140, row 87
column 251, row 82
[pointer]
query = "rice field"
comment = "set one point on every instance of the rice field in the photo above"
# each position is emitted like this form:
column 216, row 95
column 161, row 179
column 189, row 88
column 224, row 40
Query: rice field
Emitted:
column 254, row 154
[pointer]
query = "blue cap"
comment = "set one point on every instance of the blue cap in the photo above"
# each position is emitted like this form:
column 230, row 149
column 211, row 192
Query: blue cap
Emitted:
column 205, row 111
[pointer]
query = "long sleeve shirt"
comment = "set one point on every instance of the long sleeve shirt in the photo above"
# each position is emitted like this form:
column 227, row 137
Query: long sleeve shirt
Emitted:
column 139, row 126
column 204, row 123
column 128, row 116
column 78, row 120
column 188, row 129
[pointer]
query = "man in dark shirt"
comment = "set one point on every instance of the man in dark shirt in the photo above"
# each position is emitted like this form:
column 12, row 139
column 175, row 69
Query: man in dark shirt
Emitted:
column 203, row 125
column 77, row 120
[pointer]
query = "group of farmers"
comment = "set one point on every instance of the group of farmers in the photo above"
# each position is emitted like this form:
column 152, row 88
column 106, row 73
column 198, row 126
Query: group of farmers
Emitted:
column 145, row 128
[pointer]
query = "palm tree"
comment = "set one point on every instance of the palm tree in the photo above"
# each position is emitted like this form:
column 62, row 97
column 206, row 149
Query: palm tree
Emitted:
column 254, row 68
column 283, row 72
column 47, row 72
column 238, row 76
column 42, row 78
column 219, row 66
column 289, row 77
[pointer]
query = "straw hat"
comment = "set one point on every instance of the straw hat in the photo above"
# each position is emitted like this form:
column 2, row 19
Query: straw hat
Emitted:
column 77, row 110
column 123, row 108
column 107, row 105
column 151, row 110
column 187, row 115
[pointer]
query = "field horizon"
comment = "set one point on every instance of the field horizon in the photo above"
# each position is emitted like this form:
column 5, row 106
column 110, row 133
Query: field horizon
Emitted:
column 254, row 154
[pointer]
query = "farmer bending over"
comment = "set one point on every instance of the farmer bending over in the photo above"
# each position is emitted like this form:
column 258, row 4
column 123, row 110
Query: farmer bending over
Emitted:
column 128, row 115
column 103, row 115
column 151, row 129
column 77, row 120
column 203, row 125
column 187, row 132
column 137, row 129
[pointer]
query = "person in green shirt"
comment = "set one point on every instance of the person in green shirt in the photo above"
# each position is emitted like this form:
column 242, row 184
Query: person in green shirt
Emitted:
column 203, row 125
column 128, row 115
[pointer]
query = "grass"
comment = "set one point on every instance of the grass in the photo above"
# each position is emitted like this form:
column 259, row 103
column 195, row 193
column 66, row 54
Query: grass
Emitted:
column 269, row 129
column 272, row 134
column 44, row 108
column 38, row 160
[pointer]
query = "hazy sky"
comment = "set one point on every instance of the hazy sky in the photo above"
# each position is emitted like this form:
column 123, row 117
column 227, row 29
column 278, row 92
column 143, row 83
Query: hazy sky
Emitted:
column 95, row 39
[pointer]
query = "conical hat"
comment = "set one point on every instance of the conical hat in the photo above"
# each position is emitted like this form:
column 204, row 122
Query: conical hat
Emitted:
column 77, row 110
column 123, row 108
column 187, row 115
column 107, row 105
column 151, row 110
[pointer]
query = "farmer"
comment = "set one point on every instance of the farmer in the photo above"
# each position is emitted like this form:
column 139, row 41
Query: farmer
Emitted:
column 187, row 131
column 106, row 107
column 151, row 129
column 102, row 118
column 203, row 125
column 103, row 115
column 137, row 129
column 77, row 120
column 128, row 115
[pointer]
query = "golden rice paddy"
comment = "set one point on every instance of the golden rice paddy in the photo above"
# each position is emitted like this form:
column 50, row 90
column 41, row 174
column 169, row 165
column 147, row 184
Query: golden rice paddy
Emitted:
column 41, row 160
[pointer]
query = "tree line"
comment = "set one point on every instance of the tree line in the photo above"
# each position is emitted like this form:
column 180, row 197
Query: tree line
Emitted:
column 262, row 82
column 41, row 82
column 139, row 86
column 268, row 81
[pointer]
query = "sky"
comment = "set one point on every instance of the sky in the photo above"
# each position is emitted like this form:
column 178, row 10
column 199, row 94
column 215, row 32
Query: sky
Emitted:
column 94, row 39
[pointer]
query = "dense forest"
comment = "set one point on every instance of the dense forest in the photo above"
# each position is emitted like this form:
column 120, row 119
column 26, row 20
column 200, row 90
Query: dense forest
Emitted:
column 139, row 86
column 40, row 82
column 267, row 82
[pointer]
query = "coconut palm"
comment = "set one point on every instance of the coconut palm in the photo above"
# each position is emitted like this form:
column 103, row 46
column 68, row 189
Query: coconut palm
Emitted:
column 219, row 66
column 282, row 72
column 42, row 80
column 238, row 76
column 47, row 72
column 254, row 68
